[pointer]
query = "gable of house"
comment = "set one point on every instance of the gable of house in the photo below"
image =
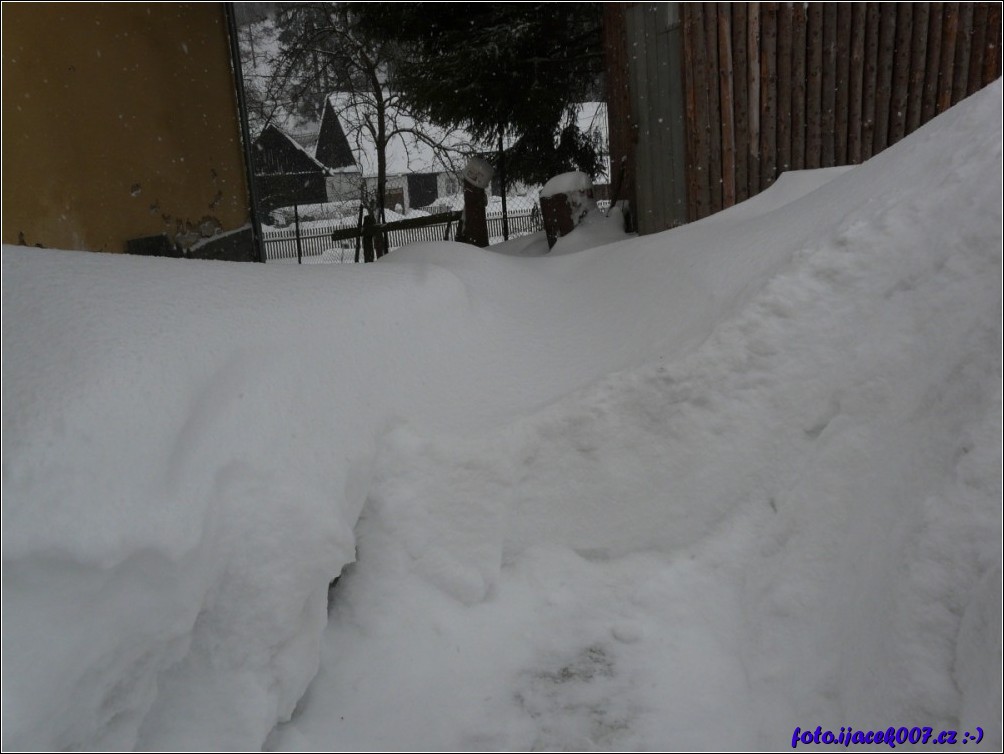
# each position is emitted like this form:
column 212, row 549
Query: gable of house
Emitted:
column 333, row 148
column 275, row 152
column 285, row 173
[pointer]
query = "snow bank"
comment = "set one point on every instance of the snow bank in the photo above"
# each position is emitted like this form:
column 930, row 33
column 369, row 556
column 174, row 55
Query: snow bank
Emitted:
column 789, row 523
column 180, row 485
column 699, row 487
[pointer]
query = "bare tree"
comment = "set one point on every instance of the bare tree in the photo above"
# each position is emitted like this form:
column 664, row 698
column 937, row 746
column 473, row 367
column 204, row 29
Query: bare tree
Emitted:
column 318, row 52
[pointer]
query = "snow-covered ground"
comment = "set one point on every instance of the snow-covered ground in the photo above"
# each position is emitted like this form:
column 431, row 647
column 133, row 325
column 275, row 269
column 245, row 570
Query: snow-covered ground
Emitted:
column 690, row 490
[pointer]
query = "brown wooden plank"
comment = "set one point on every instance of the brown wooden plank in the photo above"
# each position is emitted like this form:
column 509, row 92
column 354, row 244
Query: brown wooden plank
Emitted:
column 960, row 81
column 714, row 107
column 814, row 90
column 901, row 73
column 932, row 68
column 869, row 94
column 784, row 118
column 704, row 117
column 949, row 34
column 740, row 99
column 725, row 74
column 753, row 57
column 978, row 48
column 689, row 108
column 829, row 84
column 843, row 85
column 768, row 94
column 918, row 62
column 694, row 98
column 886, row 65
column 992, row 53
column 855, row 86
column 798, row 86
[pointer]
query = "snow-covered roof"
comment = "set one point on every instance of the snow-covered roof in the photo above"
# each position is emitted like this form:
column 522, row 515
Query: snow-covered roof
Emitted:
column 298, row 146
column 407, row 151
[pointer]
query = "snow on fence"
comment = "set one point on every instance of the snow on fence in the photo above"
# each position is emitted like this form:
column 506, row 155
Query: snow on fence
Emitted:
column 338, row 242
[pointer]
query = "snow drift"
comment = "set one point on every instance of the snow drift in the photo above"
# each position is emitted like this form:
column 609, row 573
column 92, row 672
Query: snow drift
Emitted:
column 693, row 489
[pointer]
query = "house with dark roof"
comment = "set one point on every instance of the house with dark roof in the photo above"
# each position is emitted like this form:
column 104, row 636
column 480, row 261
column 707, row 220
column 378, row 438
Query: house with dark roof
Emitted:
column 286, row 173
column 336, row 159
column 422, row 161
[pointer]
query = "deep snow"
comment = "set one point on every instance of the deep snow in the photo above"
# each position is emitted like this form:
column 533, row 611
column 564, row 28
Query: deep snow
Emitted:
column 688, row 490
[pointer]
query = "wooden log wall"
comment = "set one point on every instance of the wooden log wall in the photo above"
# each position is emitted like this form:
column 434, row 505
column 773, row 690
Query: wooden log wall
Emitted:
column 770, row 87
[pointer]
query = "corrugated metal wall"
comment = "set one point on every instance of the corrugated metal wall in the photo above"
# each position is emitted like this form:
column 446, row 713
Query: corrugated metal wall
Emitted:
column 645, row 95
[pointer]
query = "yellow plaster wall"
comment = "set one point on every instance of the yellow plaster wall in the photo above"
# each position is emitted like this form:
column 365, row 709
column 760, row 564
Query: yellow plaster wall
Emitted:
column 119, row 121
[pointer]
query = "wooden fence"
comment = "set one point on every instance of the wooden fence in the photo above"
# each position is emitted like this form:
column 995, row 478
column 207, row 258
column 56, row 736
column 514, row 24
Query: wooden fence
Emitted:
column 350, row 242
column 770, row 87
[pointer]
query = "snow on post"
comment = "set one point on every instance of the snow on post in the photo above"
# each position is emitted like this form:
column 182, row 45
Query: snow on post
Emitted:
column 565, row 201
column 477, row 177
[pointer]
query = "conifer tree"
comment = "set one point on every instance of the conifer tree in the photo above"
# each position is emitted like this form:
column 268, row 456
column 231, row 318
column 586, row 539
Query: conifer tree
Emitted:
column 510, row 72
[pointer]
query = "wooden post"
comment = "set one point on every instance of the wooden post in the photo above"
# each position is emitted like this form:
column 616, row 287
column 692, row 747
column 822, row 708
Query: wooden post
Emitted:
column 369, row 230
column 784, row 87
column 753, row 65
column 502, row 186
column 740, row 102
column 901, row 73
column 950, row 31
column 932, row 67
column 829, row 144
column 359, row 226
column 711, row 84
column 728, row 111
column 978, row 47
column 477, row 177
column 918, row 62
column 992, row 52
column 887, row 58
column 873, row 23
column 296, row 225
column 960, row 80
column 843, row 85
column 694, row 17
column 799, row 81
column 768, row 94
column 692, row 124
column 814, row 97
column 856, row 85
column 564, row 201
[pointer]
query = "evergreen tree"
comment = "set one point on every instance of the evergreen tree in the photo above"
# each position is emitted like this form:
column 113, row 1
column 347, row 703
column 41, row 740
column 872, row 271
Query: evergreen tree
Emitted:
column 505, row 72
